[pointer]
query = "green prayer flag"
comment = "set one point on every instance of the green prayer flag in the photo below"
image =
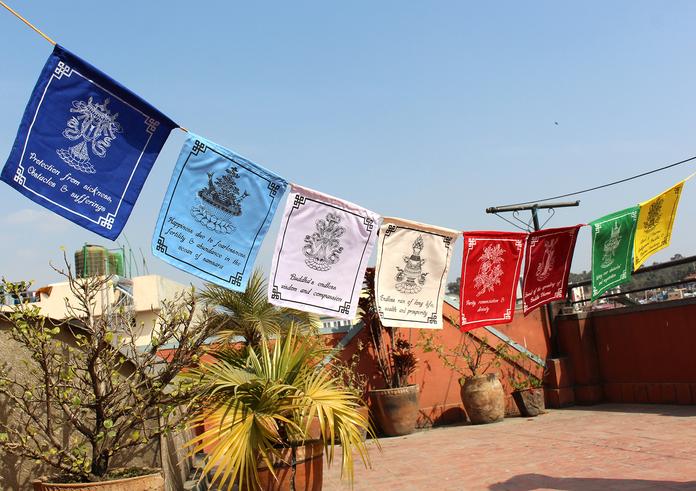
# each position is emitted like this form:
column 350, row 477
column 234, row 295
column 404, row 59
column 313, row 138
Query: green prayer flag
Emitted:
column 612, row 249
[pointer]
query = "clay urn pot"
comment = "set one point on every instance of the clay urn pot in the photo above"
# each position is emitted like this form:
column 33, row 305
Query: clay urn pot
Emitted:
column 148, row 482
column 484, row 399
column 530, row 401
column 396, row 410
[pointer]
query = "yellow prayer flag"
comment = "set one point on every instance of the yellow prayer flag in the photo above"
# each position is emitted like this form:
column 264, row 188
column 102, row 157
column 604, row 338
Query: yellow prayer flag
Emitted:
column 655, row 221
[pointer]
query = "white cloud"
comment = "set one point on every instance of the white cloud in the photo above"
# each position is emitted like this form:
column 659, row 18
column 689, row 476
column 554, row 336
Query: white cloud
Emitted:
column 41, row 220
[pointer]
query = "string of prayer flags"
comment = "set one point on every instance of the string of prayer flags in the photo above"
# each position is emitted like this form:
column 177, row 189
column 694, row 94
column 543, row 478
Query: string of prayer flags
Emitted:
column 655, row 222
column 216, row 213
column 85, row 145
column 321, row 254
column 612, row 249
column 490, row 275
column 411, row 273
column 549, row 254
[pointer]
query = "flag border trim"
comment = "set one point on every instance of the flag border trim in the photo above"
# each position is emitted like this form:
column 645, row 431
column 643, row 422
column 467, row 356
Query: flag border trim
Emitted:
column 568, row 261
column 102, row 220
column 513, row 297
column 340, row 310
column 438, row 303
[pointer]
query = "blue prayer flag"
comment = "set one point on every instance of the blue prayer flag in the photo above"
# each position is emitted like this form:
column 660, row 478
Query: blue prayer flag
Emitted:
column 216, row 212
column 85, row 145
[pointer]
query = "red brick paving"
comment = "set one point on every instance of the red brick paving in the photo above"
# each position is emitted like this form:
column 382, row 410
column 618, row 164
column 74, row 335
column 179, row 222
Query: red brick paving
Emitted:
column 605, row 447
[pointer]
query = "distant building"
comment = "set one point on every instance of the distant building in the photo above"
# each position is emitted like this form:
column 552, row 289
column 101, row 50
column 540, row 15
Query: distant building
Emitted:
column 333, row 325
column 143, row 295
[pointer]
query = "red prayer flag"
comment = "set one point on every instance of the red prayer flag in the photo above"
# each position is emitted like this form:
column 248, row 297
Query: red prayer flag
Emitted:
column 490, row 272
column 546, row 269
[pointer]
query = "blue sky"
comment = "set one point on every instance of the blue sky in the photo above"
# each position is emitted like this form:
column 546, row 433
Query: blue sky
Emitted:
column 430, row 111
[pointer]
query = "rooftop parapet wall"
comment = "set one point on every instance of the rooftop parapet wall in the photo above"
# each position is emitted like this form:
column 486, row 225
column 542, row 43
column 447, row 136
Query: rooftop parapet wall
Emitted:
column 440, row 394
column 633, row 354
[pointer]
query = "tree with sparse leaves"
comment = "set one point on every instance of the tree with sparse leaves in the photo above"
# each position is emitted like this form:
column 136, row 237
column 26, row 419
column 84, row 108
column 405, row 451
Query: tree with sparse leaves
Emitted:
column 453, row 287
column 87, row 375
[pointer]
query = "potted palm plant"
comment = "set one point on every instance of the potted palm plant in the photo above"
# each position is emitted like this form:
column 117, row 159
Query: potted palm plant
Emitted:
column 88, row 395
column 482, row 393
column 247, row 317
column 258, row 411
column 396, row 405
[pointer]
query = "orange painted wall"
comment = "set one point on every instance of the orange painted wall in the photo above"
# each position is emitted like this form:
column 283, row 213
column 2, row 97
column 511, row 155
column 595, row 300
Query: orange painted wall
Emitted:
column 637, row 354
column 440, row 399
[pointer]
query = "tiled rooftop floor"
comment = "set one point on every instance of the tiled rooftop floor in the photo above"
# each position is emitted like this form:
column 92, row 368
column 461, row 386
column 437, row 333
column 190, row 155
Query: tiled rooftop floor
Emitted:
column 604, row 447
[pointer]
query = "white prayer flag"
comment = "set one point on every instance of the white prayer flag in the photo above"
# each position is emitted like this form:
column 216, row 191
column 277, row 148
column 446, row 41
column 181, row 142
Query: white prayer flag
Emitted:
column 412, row 263
column 321, row 254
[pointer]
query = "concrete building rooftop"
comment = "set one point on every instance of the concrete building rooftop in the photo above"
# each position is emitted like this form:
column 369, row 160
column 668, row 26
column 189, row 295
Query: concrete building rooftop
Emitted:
column 604, row 447
column 144, row 294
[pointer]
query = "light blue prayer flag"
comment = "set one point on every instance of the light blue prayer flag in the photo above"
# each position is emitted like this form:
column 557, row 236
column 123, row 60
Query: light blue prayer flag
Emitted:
column 85, row 145
column 216, row 212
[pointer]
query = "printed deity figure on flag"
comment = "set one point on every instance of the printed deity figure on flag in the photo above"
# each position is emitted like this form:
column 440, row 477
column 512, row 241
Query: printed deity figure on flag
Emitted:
column 549, row 255
column 216, row 213
column 612, row 250
column 490, row 275
column 85, row 145
column 321, row 254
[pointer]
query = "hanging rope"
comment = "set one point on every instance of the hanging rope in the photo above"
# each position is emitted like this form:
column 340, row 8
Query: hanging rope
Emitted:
column 38, row 31
column 595, row 188
column 608, row 184
column 42, row 34
column 512, row 223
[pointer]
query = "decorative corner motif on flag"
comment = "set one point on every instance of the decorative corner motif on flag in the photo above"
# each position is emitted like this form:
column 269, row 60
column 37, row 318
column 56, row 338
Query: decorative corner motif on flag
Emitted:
column 612, row 249
column 321, row 254
column 490, row 275
column 216, row 213
column 411, row 273
column 549, row 254
column 85, row 145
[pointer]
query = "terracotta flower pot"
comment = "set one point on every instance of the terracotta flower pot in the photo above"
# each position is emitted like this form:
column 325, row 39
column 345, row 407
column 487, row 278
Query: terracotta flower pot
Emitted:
column 396, row 410
column 148, row 482
column 530, row 401
column 309, row 469
column 484, row 399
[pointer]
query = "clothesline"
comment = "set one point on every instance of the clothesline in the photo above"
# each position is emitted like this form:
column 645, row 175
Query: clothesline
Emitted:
column 36, row 29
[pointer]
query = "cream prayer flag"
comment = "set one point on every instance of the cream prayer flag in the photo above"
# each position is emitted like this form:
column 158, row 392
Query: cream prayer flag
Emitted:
column 655, row 222
column 412, row 264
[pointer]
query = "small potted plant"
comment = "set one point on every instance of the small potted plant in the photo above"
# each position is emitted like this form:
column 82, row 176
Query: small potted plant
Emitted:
column 528, row 387
column 482, row 393
column 88, row 394
column 355, row 382
column 396, row 405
